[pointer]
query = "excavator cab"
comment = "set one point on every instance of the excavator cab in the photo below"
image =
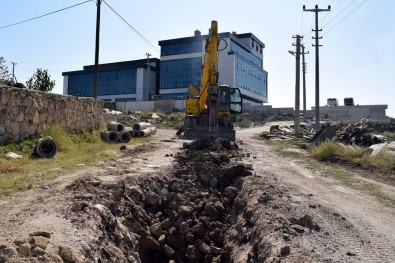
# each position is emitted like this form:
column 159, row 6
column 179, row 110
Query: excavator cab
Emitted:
column 230, row 100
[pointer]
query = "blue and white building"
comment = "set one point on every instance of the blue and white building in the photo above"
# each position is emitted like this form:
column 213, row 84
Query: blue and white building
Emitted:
column 180, row 64
column 118, row 82
column 240, row 65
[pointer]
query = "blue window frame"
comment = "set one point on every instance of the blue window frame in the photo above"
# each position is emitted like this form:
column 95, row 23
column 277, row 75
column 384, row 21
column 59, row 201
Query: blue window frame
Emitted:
column 245, row 54
column 250, row 77
column 110, row 83
column 181, row 48
column 180, row 73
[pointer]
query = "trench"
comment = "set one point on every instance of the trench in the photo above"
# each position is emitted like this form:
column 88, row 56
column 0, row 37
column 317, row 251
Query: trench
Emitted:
column 182, row 215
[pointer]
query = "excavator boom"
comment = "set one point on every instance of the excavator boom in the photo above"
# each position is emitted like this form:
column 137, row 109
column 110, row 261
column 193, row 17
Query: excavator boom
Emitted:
column 209, row 112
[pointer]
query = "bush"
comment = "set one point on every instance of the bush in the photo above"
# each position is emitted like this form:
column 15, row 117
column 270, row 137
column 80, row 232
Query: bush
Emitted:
column 62, row 138
column 326, row 150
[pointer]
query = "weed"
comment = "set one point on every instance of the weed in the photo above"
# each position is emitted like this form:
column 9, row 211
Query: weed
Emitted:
column 390, row 135
column 26, row 173
column 326, row 150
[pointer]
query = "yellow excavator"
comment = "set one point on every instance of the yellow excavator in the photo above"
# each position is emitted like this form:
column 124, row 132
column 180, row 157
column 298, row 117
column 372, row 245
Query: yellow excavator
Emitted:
column 211, row 110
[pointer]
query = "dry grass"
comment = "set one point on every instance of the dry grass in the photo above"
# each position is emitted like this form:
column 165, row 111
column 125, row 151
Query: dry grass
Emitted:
column 75, row 152
column 329, row 149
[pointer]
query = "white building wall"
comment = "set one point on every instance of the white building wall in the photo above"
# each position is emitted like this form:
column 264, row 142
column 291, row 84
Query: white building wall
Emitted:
column 140, row 85
column 226, row 67
column 65, row 85
column 135, row 106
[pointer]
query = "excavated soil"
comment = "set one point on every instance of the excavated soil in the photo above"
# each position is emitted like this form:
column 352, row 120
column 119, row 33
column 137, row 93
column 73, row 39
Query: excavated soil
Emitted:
column 211, row 200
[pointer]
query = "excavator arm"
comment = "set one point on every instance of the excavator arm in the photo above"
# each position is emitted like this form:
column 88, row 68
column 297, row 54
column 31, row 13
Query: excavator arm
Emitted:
column 209, row 112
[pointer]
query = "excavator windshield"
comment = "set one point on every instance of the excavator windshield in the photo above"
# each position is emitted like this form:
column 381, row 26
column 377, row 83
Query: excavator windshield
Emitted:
column 236, row 101
column 229, row 99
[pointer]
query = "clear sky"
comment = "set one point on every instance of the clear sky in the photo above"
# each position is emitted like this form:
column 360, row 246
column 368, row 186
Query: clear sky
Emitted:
column 357, row 58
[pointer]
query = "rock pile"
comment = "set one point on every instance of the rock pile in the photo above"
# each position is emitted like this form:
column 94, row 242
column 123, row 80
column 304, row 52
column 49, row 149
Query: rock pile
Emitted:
column 180, row 217
column 38, row 248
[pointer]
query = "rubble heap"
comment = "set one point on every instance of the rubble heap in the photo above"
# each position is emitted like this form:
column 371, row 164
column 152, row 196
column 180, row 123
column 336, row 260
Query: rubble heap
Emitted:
column 181, row 216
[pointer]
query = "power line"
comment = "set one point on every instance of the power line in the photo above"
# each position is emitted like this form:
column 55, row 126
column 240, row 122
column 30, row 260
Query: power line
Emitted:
column 334, row 6
column 37, row 17
column 341, row 11
column 344, row 8
column 135, row 30
column 348, row 15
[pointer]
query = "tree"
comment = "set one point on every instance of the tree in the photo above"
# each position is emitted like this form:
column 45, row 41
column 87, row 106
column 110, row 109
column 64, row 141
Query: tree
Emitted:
column 41, row 80
column 4, row 73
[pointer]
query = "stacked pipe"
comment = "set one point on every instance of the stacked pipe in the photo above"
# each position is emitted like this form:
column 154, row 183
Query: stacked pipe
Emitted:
column 143, row 129
column 116, row 132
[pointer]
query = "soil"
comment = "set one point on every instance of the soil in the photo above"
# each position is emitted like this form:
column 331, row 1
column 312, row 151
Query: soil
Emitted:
column 173, row 200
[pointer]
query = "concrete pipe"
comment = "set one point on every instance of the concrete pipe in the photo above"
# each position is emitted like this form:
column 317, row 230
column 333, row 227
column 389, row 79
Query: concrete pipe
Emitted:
column 115, row 126
column 46, row 147
column 135, row 134
column 141, row 126
column 110, row 136
column 144, row 133
column 124, row 137
column 153, row 130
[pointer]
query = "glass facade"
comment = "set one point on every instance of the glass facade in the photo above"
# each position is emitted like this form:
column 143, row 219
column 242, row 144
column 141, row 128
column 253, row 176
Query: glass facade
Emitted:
column 180, row 73
column 181, row 48
column 250, row 77
column 110, row 83
column 245, row 54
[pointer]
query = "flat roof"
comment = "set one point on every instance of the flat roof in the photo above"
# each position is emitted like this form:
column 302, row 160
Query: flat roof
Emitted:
column 116, row 66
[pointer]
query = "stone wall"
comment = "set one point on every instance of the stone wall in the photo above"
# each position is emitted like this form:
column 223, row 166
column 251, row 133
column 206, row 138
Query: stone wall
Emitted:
column 24, row 112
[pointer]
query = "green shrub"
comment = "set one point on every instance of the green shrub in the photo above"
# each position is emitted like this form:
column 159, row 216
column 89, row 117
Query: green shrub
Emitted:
column 62, row 138
column 326, row 150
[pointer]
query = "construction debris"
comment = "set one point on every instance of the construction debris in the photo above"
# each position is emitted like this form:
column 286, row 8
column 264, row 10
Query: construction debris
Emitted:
column 361, row 133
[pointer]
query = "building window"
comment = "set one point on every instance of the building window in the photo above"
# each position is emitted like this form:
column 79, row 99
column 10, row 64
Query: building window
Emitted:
column 247, row 55
column 181, row 48
column 180, row 73
column 250, row 77
column 110, row 83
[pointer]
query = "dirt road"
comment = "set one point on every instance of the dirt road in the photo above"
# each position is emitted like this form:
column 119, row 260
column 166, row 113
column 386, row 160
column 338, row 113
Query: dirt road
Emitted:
column 354, row 226
column 289, row 213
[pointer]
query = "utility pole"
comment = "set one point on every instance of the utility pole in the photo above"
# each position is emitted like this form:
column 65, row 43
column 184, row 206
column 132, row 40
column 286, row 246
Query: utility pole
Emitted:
column 13, row 71
column 96, row 74
column 317, row 68
column 297, row 84
column 148, row 68
column 304, row 83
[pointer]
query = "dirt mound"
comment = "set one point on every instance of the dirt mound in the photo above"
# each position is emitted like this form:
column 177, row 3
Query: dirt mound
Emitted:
column 181, row 216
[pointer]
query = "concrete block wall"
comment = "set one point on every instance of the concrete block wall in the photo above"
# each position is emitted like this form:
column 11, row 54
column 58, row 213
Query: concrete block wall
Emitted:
column 266, row 109
column 24, row 112
column 353, row 113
